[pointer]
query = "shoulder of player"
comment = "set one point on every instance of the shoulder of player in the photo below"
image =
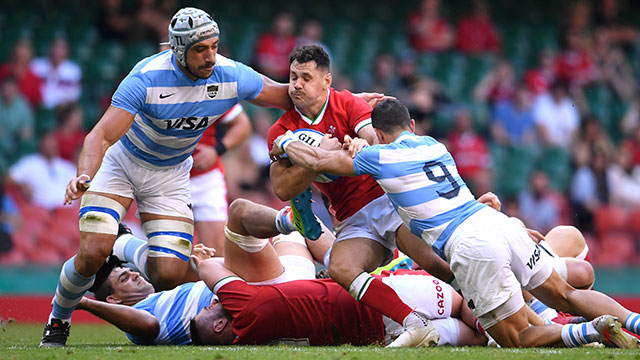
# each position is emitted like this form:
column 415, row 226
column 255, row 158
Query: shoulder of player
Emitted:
column 223, row 61
column 345, row 99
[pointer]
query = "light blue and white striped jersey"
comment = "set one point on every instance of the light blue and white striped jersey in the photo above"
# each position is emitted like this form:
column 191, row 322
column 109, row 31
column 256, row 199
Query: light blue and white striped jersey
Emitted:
column 172, row 111
column 174, row 310
column 422, row 181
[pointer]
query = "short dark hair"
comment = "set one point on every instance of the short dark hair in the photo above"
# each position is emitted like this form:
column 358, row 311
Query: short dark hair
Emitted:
column 193, row 329
column 104, row 290
column 306, row 53
column 390, row 115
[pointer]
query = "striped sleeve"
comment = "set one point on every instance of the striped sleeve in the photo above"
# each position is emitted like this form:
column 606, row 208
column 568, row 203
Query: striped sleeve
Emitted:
column 249, row 82
column 131, row 94
column 367, row 162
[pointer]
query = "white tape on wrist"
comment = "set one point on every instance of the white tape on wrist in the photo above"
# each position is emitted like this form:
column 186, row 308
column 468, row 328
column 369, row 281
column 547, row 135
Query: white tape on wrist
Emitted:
column 87, row 183
column 286, row 139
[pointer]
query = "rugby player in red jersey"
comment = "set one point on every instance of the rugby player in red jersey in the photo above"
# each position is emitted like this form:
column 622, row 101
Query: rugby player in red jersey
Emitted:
column 366, row 236
column 321, row 312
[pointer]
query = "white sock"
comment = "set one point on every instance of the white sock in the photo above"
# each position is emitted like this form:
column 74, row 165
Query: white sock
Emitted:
column 360, row 284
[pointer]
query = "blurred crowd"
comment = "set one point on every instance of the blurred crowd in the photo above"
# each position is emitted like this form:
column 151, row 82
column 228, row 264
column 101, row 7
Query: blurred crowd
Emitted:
column 530, row 134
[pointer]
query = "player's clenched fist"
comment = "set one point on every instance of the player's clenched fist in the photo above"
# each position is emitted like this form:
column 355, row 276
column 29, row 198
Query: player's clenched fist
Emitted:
column 76, row 187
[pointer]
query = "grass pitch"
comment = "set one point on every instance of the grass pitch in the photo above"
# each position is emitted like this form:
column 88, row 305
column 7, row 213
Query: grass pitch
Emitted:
column 89, row 342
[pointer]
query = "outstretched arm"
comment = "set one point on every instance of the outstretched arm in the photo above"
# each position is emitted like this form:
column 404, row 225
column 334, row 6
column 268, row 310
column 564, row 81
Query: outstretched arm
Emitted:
column 133, row 321
column 273, row 94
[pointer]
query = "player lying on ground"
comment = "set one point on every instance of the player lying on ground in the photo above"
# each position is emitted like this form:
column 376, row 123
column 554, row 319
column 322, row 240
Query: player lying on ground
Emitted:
column 491, row 257
column 150, row 321
column 163, row 318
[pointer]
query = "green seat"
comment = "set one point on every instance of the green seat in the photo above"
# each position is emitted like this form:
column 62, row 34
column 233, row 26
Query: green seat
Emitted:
column 512, row 175
column 556, row 163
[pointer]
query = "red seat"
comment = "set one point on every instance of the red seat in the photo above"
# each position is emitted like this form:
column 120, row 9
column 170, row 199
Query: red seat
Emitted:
column 634, row 221
column 616, row 249
column 610, row 218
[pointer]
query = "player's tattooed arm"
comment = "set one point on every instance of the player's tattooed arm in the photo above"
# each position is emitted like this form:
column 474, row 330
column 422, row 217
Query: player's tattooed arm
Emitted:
column 136, row 322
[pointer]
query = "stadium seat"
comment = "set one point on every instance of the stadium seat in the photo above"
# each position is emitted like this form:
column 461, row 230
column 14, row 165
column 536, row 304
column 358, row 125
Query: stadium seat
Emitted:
column 556, row 163
column 610, row 218
column 634, row 222
column 616, row 250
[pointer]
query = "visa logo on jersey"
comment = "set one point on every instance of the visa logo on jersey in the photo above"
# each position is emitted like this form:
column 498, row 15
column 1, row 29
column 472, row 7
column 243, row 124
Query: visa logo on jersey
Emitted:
column 188, row 123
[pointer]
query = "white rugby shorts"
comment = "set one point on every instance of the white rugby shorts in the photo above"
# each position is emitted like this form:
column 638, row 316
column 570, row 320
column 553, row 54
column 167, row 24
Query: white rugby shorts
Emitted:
column 157, row 191
column 378, row 221
column 492, row 258
column 294, row 268
column 209, row 196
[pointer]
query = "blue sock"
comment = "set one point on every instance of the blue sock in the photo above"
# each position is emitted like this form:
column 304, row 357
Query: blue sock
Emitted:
column 545, row 312
column 633, row 323
column 574, row 335
column 133, row 251
column 71, row 287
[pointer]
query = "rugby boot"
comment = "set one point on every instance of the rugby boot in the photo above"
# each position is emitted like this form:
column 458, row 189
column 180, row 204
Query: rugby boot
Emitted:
column 612, row 334
column 417, row 334
column 303, row 218
column 55, row 334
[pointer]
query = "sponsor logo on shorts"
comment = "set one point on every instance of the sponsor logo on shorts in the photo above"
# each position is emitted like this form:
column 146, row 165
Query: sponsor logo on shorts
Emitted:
column 439, row 296
column 534, row 257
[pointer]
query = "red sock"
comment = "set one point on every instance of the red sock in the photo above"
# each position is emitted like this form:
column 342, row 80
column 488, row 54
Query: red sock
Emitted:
column 382, row 298
column 479, row 327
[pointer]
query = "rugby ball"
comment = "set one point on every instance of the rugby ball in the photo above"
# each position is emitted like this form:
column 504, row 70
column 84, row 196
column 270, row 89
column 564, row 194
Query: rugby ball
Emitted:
column 313, row 138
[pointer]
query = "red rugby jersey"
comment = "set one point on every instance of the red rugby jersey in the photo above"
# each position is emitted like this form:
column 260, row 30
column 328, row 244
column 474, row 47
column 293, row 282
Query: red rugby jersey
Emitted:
column 319, row 311
column 344, row 114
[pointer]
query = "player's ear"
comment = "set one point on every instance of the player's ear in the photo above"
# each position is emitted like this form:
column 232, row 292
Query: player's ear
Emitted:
column 327, row 80
column 113, row 300
column 379, row 135
column 412, row 125
column 219, row 325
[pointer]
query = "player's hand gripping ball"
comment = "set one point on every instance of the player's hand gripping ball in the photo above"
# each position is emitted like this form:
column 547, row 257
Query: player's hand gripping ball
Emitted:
column 312, row 138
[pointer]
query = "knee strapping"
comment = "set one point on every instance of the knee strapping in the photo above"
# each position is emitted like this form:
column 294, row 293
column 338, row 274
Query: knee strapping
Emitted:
column 560, row 266
column 169, row 238
column 293, row 237
column 247, row 243
column 100, row 214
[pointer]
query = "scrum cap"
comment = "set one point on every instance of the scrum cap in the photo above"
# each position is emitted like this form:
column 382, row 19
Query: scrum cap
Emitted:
column 187, row 27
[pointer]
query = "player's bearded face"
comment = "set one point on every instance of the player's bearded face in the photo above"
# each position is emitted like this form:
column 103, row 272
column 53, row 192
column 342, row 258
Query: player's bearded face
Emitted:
column 307, row 83
column 202, row 56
